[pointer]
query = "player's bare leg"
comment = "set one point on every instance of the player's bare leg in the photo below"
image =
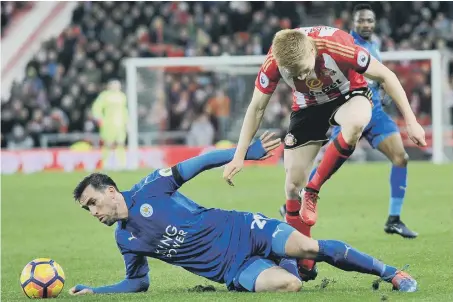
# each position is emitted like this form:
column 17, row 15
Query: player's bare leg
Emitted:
column 347, row 258
column 298, row 164
column 353, row 117
column 277, row 279
column 392, row 147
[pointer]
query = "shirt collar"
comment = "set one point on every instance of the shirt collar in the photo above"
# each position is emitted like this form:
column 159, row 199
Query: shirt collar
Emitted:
column 130, row 202
column 358, row 37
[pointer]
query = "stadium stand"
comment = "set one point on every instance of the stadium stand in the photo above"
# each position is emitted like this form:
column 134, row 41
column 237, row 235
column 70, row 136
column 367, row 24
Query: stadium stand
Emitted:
column 66, row 75
column 11, row 10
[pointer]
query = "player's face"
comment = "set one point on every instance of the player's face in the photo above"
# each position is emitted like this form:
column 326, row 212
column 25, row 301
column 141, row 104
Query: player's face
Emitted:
column 364, row 23
column 101, row 204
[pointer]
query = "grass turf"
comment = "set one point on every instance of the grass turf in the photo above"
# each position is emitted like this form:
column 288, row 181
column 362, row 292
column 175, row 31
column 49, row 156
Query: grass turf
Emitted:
column 39, row 219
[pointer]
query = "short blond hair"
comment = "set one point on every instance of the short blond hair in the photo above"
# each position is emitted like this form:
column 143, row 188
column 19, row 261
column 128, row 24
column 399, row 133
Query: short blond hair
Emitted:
column 289, row 48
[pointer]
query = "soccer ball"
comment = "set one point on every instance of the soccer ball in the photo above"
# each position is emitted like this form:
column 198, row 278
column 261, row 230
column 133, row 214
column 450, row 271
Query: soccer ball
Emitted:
column 42, row 278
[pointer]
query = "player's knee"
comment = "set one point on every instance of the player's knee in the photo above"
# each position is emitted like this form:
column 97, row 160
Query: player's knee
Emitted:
column 400, row 159
column 352, row 130
column 292, row 284
column 358, row 123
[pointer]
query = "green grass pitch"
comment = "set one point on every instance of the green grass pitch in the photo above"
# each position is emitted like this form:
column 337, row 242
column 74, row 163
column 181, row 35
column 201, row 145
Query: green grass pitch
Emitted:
column 40, row 219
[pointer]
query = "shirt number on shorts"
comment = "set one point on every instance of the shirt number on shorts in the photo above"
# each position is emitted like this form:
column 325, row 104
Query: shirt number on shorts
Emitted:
column 258, row 221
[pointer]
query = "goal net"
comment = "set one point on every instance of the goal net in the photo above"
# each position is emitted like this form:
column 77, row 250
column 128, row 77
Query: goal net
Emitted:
column 167, row 98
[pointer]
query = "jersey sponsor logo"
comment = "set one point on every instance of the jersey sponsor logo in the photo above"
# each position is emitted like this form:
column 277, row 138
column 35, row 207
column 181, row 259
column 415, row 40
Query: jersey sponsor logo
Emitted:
column 290, row 140
column 313, row 83
column 171, row 241
column 146, row 210
column 362, row 58
column 165, row 172
column 132, row 237
column 326, row 89
column 264, row 80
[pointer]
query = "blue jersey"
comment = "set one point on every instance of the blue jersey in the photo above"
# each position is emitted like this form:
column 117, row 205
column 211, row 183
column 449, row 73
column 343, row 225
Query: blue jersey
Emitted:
column 164, row 224
column 373, row 49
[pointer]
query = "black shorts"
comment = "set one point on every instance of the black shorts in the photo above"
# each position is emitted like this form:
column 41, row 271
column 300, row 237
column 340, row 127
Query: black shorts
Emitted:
column 311, row 124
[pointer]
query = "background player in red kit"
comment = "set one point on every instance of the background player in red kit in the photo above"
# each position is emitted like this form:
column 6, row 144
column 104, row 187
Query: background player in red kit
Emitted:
column 325, row 69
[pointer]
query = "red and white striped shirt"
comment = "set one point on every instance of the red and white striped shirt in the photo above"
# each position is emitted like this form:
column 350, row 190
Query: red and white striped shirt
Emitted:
column 338, row 69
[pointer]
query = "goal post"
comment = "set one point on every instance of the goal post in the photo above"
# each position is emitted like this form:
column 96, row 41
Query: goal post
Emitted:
column 145, row 78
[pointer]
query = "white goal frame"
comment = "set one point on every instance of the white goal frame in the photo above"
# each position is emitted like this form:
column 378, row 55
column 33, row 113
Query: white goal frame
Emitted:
column 236, row 62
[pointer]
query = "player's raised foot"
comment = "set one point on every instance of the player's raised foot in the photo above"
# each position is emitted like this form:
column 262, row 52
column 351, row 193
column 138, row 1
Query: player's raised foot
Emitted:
column 404, row 282
column 394, row 225
column 308, row 211
column 307, row 269
column 282, row 211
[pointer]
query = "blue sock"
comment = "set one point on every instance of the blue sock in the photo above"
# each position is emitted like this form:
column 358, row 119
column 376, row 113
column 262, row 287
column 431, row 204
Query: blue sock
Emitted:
column 290, row 265
column 344, row 257
column 398, row 184
column 312, row 173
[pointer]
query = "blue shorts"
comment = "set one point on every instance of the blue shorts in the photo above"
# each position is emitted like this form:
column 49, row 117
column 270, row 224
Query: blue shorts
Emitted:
column 380, row 127
column 272, row 236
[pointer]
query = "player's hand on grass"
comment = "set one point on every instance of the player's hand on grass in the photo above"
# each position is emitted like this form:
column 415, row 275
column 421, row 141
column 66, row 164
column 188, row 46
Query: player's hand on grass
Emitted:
column 416, row 133
column 259, row 150
column 80, row 290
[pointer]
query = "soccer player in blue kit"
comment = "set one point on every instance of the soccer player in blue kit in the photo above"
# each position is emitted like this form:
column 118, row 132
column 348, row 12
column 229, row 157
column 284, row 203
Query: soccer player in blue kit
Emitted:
column 382, row 133
column 246, row 251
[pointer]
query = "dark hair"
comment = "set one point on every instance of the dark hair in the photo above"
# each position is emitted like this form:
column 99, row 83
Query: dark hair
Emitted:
column 98, row 181
column 362, row 6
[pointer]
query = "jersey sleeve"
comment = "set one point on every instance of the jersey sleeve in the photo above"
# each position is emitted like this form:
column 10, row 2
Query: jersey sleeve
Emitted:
column 136, row 265
column 162, row 181
column 268, row 76
column 131, row 248
column 342, row 48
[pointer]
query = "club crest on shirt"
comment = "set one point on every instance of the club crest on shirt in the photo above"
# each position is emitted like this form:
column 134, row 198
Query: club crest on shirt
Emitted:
column 290, row 140
column 328, row 72
column 146, row 210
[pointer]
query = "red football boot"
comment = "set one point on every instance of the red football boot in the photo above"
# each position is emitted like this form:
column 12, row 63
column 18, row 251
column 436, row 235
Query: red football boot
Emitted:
column 308, row 212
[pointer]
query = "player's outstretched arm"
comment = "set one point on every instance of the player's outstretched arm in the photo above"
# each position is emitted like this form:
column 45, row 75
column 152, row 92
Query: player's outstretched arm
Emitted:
column 392, row 86
column 260, row 149
column 252, row 121
column 137, row 279
column 126, row 286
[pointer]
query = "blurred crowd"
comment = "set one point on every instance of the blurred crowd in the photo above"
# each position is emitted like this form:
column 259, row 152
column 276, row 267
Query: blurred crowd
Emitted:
column 69, row 71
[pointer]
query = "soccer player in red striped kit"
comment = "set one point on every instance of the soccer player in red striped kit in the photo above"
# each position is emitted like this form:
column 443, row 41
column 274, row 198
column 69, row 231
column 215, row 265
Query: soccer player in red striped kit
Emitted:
column 325, row 70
